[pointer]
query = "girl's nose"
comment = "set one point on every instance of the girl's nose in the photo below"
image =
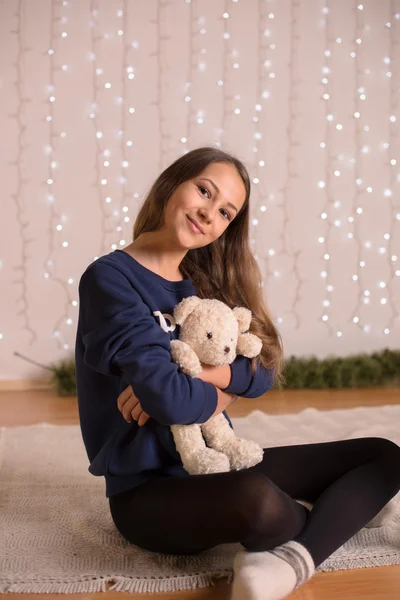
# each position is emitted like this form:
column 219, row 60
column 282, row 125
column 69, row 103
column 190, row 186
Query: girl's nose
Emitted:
column 206, row 215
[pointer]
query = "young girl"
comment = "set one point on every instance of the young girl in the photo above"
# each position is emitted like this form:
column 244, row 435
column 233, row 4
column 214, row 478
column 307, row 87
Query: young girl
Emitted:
column 191, row 237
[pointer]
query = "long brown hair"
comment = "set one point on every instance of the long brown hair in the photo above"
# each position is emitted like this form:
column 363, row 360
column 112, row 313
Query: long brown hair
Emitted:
column 225, row 269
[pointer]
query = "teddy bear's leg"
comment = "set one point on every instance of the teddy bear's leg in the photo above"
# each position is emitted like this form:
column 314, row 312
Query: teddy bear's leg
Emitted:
column 197, row 459
column 242, row 453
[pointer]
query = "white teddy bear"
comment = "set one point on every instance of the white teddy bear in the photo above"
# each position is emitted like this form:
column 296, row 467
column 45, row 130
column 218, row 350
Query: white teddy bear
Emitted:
column 212, row 333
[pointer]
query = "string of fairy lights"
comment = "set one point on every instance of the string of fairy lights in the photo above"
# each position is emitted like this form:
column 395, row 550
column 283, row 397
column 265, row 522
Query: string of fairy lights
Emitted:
column 194, row 33
column 21, row 271
column 264, row 64
column 102, row 153
column 117, row 208
column 394, row 82
column 361, row 187
column 229, row 62
column 290, row 161
column 124, row 197
column 326, row 145
column 56, row 237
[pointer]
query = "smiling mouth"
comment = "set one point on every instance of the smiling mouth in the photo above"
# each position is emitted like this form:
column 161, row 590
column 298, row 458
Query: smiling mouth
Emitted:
column 195, row 228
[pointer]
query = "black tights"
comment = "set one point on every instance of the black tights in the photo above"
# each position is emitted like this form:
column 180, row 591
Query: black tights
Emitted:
column 348, row 482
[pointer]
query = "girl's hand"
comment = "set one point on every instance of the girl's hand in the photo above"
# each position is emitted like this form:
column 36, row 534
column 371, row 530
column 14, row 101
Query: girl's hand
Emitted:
column 130, row 407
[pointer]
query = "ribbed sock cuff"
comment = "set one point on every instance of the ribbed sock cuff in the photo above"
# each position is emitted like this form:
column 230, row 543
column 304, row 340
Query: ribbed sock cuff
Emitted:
column 299, row 558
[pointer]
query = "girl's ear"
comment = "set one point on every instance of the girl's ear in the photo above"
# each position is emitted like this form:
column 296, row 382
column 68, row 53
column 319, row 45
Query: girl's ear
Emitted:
column 185, row 308
column 243, row 316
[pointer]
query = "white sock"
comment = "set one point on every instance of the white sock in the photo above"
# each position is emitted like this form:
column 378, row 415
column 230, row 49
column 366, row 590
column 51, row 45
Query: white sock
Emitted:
column 271, row 575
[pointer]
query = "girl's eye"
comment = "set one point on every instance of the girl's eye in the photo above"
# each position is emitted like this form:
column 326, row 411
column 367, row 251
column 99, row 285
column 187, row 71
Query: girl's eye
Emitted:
column 203, row 188
column 226, row 212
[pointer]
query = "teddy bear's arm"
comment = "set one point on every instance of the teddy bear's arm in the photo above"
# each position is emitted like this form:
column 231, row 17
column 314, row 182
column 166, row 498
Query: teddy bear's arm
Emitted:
column 183, row 355
column 248, row 345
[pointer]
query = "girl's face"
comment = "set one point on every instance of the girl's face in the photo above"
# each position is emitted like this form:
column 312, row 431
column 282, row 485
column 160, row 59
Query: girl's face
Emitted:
column 211, row 200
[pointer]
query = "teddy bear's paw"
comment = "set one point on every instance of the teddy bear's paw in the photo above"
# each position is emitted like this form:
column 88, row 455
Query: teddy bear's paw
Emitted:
column 243, row 454
column 206, row 461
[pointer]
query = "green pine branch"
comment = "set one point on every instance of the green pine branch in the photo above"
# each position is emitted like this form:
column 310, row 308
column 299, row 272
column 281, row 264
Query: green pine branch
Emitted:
column 379, row 369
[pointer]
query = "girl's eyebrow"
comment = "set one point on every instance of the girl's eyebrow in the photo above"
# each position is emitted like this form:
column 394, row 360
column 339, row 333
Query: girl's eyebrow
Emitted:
column 218, row 191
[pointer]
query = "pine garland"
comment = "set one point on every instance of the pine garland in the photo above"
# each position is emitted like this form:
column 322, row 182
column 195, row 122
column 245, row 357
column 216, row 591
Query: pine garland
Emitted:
column 379, row 369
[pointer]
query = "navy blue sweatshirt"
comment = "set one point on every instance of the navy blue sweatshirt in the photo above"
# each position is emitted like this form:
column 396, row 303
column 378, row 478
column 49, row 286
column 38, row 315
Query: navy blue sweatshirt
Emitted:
column 123, row 338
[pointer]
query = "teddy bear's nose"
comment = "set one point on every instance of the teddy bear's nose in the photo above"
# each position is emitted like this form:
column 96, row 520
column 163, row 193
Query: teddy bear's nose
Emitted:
column 227, row 349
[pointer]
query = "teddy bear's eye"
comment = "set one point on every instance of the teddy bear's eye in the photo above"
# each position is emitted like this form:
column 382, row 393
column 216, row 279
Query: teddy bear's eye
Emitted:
column 209, row 335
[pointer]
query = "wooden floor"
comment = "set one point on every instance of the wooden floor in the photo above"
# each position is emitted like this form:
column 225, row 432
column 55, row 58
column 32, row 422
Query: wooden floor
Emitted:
column 379, row 583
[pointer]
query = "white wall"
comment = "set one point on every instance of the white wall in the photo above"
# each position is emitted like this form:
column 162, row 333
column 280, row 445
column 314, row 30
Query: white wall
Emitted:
column 54, row 213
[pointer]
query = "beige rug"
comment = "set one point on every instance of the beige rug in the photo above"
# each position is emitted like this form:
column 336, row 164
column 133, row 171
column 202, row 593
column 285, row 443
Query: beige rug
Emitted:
column 57, row 534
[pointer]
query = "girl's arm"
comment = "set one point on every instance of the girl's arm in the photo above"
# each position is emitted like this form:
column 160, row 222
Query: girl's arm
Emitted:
column 237, row 378
column 131, row 409
column 121, row 337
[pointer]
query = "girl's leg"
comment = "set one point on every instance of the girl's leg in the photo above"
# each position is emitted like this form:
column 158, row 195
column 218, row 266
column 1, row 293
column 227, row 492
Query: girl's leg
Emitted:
column 185, row 515
column 348, row 482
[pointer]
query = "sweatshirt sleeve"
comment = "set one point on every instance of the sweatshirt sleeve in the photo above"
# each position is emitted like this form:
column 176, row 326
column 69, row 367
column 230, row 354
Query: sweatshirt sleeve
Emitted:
column 122, row 338
column 243, row 383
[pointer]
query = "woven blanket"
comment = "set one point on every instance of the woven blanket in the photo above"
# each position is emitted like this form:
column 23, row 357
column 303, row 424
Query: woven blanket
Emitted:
column 57, row 535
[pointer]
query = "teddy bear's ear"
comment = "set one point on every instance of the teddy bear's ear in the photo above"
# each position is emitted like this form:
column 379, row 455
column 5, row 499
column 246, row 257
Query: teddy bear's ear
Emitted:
column 243, row 316
column 185, row 307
